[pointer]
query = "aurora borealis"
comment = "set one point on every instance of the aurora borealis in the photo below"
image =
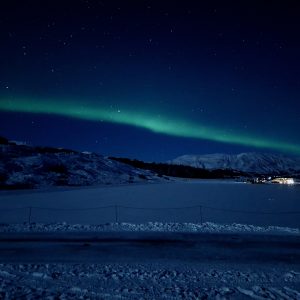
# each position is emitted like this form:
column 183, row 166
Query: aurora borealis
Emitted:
column 151, row 80
column 169, row 126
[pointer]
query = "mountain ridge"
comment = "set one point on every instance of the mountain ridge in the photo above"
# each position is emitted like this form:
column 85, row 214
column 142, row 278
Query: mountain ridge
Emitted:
column 249, row 162
column 27, row 167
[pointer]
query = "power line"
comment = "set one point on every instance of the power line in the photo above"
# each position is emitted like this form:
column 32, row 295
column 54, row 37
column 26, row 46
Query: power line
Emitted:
column 151, row 208
column 72, row 209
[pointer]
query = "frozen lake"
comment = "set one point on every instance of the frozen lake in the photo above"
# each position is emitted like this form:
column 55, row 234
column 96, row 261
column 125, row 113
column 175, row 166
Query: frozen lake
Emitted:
column 221, row 201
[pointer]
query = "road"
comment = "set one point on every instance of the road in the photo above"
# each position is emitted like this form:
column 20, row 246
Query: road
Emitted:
column 148, row 246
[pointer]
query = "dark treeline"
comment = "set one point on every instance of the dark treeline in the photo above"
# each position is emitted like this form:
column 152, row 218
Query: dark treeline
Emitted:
column 179, row 170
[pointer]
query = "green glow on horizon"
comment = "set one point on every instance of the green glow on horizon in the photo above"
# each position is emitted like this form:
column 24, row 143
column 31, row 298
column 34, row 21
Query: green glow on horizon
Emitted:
column 164, row 124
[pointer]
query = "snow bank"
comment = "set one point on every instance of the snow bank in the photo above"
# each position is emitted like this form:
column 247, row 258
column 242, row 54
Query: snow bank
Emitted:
column 207, row 227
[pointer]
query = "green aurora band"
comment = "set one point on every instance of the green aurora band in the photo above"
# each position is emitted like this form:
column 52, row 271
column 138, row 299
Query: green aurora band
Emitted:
column 163, row 124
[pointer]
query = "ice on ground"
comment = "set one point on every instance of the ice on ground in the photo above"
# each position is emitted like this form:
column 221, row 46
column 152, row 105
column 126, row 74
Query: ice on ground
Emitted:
column 207, row 227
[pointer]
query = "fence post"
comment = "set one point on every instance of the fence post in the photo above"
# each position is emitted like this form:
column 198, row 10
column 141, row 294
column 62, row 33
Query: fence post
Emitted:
column 201, row 217
column 116, row 213
column 29, row 214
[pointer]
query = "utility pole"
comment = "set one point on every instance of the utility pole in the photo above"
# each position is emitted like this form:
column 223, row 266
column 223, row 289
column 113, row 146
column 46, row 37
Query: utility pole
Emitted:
column 116, row 213
column 29, row 214
column 201, row 217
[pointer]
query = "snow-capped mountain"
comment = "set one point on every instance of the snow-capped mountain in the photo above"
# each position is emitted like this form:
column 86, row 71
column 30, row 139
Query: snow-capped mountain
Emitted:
column 23, row 166
column 257, row 163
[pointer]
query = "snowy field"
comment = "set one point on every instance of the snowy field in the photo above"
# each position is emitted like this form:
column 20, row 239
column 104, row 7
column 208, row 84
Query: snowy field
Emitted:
column 259, row 261
column 224, row 202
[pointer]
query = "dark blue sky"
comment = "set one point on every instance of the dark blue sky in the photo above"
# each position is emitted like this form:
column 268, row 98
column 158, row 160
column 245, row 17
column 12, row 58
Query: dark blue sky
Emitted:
column 229, row 70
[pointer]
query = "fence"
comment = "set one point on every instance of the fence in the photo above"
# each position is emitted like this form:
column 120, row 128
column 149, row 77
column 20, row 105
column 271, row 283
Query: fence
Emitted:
column 120, row 213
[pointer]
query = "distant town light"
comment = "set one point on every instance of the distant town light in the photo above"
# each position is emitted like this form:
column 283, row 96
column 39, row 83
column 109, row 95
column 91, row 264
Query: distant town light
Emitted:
column 283, row 180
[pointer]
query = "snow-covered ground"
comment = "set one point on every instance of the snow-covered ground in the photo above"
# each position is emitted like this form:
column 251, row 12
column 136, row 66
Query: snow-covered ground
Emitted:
column 206, row 227
column 227, row 265
column 108, row 275
column 124, row 265
column 145, row 281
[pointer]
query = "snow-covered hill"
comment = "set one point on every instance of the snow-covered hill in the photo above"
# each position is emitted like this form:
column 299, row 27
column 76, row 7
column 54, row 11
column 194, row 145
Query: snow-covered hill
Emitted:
column 23, row 166
column 246, row 162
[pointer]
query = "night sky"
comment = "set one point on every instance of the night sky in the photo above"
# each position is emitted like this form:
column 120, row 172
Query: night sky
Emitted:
column 151, row 80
